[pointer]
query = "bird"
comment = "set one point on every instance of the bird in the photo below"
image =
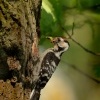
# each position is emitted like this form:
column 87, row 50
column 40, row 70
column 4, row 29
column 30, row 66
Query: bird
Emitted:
column 50, row 60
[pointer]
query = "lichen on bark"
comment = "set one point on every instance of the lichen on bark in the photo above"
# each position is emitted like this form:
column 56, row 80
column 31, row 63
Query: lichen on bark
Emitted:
column 19, row 21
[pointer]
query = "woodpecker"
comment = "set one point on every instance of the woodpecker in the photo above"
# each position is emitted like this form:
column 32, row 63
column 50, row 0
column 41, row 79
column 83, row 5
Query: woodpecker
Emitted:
column 50, row 61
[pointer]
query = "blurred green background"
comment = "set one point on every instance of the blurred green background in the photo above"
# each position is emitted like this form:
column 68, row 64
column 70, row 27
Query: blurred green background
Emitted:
column 77, row 74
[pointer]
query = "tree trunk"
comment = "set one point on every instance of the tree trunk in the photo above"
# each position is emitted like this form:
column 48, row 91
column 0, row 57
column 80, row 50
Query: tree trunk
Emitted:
column 19, row 35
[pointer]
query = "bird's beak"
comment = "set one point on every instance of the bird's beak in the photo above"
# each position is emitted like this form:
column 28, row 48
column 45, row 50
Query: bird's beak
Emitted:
column 51, row 39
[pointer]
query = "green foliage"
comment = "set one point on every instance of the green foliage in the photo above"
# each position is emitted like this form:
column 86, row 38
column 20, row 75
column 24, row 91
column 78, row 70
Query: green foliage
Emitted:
column 50, row 19
column 49, row 26
column 88, row 3
column 70, row 3
column 57, row 8
column 96, row 70
column 53, row 12
column 46, row 23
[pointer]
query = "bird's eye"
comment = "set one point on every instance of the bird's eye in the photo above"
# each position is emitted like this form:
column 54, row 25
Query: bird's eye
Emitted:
column 65, row 41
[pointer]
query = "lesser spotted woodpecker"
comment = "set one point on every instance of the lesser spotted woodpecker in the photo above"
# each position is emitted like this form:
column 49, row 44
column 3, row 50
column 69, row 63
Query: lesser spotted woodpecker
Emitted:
column 50, row 61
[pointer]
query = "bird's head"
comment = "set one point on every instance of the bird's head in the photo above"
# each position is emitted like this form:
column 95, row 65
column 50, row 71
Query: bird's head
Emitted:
column 60, row 43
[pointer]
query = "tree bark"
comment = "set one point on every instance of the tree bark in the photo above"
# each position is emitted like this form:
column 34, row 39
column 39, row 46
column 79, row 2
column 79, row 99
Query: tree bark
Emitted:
column 19, row 57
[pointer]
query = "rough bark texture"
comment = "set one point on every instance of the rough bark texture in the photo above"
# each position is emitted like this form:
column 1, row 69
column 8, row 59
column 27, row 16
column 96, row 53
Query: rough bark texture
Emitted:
column 19, row 34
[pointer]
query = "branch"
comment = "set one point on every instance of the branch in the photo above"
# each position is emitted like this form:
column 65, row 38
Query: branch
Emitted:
column 83, row 73
column 80, row 45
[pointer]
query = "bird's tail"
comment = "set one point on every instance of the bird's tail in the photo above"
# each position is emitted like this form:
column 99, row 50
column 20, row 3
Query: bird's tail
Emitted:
column 35, row 94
